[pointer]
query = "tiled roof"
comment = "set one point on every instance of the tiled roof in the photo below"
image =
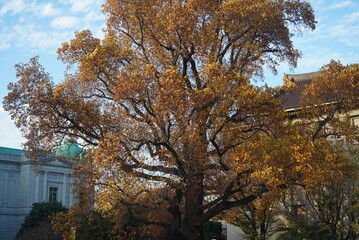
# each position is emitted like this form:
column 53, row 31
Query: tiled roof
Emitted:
column 292, row 100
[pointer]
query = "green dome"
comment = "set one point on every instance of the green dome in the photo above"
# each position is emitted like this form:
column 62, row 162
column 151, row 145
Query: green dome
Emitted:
column 69, row 150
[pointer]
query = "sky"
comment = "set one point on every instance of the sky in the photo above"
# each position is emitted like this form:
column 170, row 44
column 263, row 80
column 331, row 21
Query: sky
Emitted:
column 37, row 28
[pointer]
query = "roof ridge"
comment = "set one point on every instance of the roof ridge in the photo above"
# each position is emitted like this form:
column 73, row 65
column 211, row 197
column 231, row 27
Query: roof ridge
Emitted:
column 301, row 77
column 11, row 150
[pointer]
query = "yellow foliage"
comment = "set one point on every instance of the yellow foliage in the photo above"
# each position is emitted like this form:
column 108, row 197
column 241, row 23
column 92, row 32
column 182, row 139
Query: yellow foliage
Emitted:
column 165, row 105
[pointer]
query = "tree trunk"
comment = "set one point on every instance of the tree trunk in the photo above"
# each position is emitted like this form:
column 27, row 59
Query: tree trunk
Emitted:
column 174, row 231
column 192, row 227
column 196, row 156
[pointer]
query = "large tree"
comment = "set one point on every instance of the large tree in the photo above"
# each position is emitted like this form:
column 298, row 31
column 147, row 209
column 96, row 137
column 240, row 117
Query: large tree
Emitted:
column 165, row 103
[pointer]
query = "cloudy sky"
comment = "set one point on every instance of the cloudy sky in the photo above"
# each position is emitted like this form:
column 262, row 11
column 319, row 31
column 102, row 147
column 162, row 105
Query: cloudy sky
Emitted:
column 38, row 27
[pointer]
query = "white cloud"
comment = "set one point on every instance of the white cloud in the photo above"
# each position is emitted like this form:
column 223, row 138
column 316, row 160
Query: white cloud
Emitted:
column 4, row 44
column 10, row 135
column 17, row 7
column 31, row 36
column 345, row 34
column 6, row 39
column 341, row 4
column 41, row 24
column 318, row 4
column 94, row 16
column 64, row 22
column 14, row 6
column 315, row 57
column 341, row 30
column 48, row 10
column 80, row 5
column 352, row 18
column 345, row 30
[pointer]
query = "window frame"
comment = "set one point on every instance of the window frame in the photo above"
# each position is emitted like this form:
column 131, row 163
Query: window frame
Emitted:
column 53, row 193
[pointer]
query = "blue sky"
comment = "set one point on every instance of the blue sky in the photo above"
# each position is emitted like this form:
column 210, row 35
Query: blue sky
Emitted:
column 38, row 27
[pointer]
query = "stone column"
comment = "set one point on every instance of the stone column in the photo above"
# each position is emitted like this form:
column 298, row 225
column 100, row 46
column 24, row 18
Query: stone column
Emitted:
column 37, row 186
column 71, row 202
column 64, row 188
column 44, row 188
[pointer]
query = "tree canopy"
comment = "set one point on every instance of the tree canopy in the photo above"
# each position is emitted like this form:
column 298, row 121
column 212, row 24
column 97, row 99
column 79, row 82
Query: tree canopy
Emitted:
column 165, row 104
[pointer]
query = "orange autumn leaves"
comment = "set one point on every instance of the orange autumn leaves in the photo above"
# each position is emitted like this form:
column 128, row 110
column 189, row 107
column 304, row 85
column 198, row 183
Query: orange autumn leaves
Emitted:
column 166, row 97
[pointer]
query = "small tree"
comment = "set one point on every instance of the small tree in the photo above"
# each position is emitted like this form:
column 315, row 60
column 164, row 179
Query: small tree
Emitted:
column 336, row 204
column 302, row 231
column 213, row 230
column 94, row 226
column 40, row 217
column 256, row 218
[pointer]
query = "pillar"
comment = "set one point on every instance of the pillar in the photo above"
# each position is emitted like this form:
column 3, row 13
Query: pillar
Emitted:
column 64, row 188
column 71, row 195
column 44, row 188
column 37, row 186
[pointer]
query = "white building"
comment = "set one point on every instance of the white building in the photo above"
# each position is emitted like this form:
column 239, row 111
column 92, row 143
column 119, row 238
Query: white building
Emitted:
column 21, row 185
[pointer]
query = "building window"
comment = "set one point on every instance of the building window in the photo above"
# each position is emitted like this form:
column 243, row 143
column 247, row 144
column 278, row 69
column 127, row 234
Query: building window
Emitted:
column 53, row 194
column 355, row 120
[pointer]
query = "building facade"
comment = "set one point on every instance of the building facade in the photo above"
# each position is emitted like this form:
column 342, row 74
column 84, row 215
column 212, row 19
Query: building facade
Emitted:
column 22, row 183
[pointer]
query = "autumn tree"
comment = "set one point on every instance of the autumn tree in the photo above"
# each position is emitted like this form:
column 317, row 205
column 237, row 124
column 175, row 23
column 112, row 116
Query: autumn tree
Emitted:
column 165, row 101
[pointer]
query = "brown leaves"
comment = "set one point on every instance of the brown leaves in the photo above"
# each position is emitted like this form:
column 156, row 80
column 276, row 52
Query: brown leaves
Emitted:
column 166, row 104
column 72, row 52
